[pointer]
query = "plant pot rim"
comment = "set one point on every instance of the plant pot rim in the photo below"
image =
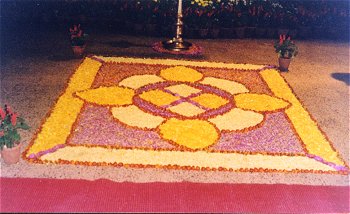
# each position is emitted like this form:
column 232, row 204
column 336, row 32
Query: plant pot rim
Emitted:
column 15, row 145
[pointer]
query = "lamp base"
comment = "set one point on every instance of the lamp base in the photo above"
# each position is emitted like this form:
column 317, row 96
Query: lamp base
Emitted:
column 176, row 45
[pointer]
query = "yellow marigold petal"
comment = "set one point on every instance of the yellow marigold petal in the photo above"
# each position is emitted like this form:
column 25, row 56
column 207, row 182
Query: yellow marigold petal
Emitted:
column 158, row 97
column 113, row 96
column 259, row 102
column 226, row 85
column 193, row 134
column 181, row 73
column 138, row 81
column 210, row 100
column 237, row 119
column 133, row 116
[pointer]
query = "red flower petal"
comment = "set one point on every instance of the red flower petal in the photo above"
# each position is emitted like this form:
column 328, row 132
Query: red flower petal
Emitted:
column 14, row 119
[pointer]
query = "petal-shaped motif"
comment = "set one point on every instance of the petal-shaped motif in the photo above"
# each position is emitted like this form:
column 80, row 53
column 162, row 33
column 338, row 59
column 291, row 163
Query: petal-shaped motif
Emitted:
column 226, row 85
column 112, row 96
column 237, row 119
column 138, row 81
column 181, row 74
column 259, row 102
column 210, row 100
column 186, row 109
column 133, row 116
column 193, row 134
column 183, row 90
column 158, row 97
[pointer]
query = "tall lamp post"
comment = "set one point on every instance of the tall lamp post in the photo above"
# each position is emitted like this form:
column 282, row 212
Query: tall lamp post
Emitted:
column 177, row 43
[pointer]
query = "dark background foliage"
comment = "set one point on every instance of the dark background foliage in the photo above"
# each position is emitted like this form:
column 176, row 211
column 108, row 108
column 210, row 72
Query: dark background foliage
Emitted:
column 304, row 19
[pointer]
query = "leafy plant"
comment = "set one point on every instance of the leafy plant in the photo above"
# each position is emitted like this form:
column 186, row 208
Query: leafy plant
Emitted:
column 77, row 36
column 285, row 47
column 10, row 123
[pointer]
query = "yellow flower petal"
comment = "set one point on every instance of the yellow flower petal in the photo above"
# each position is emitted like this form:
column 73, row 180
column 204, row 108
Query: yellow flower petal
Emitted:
column 226, row 85
column 259, row 102
column 133, row 116
column 193, row 134
column 138, row 81
column 210, row 100
column 113, row 96
column 181, row 73
column 237, row 119
column 158, row 97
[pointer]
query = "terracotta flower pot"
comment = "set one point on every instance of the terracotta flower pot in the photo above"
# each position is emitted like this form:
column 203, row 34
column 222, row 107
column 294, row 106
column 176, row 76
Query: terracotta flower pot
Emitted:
column 284, row 63
column 78, row 50
column 11, row 155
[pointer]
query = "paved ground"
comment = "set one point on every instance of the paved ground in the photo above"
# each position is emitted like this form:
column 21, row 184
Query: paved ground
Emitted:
column 36, row 66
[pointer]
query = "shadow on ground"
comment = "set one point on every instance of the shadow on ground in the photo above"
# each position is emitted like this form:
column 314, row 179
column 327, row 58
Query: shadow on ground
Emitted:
column 126, row 44
column 61, row 57
column 344, row 77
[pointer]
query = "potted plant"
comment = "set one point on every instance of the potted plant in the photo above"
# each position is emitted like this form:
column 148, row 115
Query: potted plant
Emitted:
column 286, row 50
column 78, row 40
column 9, row 137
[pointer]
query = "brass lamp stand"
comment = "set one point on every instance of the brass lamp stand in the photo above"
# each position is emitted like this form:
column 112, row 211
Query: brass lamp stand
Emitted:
column 177, row 43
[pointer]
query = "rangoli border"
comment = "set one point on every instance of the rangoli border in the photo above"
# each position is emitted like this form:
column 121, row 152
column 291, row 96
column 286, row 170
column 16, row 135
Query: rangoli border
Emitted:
column 89, row 68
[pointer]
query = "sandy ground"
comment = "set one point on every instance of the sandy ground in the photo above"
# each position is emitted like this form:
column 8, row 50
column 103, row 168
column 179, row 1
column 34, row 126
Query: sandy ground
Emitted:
column 35, row 71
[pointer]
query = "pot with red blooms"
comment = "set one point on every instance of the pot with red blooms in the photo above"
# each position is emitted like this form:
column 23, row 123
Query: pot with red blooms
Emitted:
column 78, row 40
column 286, row 50
column 10, row 139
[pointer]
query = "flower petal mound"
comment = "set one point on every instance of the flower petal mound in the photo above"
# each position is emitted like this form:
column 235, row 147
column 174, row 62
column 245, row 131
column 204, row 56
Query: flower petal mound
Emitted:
column 237, row 119
column 181, row 74
column 260, row 102
column 111, row 96
column 133, row 116
column 192, row 134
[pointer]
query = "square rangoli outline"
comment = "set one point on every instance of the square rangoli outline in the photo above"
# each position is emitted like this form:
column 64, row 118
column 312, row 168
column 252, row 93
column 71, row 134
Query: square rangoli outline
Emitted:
column 46, row 143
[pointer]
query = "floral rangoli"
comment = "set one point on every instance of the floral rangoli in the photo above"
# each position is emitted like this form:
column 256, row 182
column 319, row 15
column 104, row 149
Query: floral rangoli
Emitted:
column 184, row 115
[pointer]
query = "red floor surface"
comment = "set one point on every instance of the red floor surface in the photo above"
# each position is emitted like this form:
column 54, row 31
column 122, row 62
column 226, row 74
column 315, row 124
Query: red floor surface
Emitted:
column 68, row 195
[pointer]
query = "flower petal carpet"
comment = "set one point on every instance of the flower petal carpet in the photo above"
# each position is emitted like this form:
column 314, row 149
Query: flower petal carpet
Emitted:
column 183, row 115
